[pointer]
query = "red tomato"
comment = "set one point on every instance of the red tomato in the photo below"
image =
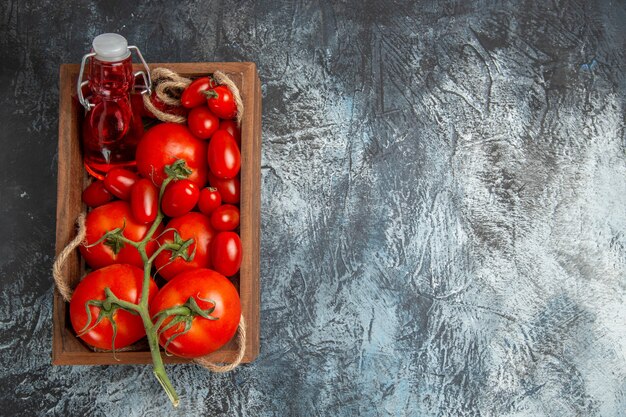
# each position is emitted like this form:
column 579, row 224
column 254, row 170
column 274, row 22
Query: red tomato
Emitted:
column 225, row 217
column 191, row 225
column 125, row 282
column 192, row 96
column 228, row 189
column 144, row 201
column 96, row 194
column 231, row 127
column 119, row 181
column 109, row 217
column 209, row 200
column 223, row 156
column 226, row 253
column 179, row 197
column 163, row 144
column 221, row 102
column 202, row 122
column 209, row 289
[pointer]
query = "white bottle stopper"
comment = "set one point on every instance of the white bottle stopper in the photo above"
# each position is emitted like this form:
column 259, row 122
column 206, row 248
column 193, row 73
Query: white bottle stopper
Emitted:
column 110, row 47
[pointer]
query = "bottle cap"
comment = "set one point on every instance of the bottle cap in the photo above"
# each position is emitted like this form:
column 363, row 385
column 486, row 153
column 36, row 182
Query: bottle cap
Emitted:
column 110, row 47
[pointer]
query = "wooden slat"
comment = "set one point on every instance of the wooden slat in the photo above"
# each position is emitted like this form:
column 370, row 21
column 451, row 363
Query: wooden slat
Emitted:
column 69, row 350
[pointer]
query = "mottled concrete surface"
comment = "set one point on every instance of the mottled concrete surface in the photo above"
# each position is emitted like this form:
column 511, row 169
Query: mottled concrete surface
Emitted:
column 444, row 193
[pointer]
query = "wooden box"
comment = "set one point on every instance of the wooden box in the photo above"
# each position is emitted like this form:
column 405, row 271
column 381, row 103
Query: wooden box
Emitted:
column 67, row 349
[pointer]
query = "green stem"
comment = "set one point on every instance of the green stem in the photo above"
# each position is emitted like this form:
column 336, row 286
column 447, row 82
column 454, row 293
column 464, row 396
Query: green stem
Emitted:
column 157, row 360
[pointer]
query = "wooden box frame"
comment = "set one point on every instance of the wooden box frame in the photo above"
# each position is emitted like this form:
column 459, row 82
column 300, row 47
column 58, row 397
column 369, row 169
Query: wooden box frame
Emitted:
column 67, row 349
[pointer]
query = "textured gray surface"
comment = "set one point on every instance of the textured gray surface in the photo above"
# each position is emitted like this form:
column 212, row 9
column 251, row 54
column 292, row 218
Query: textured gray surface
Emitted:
column 444, row 193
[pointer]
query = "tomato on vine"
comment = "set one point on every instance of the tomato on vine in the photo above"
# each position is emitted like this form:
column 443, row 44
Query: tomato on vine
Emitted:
column 194, row 226
column 106, row 228
column 105, row 325
column 196, row 313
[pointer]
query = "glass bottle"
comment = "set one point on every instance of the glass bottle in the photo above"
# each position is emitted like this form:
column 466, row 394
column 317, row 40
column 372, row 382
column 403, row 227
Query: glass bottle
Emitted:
column 112, row 124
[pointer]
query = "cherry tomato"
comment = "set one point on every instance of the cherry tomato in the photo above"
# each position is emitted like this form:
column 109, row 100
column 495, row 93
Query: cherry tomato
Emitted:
column 209, row 289
column 209, row 200
column 221, row 102
column 191, row 225
column 179, row 197
column 229, row 189
column 223, row 155
column 226, row 253
column 125, row 281
column 192, row 96
column 108, row 217
column 202, row 122
column 231, row 127
column 119, row 181
column 144, row 201
column 225, row 218
column 163, row 144
column 96, row 194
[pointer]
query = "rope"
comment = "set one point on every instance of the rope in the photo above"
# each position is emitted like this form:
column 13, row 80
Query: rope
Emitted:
column 57, row 268
column 241, row 342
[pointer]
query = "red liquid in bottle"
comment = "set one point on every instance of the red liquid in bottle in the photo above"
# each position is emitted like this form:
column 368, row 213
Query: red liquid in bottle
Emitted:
column 112, row 127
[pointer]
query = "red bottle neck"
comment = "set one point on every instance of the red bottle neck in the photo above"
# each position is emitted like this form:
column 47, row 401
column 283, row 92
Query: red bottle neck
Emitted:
column 111, row 79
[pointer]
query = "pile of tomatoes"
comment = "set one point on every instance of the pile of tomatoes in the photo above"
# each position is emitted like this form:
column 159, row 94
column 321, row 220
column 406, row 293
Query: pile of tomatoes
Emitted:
column 184, row 195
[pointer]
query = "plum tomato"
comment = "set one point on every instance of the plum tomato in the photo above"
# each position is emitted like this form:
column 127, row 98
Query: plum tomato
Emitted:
column 125, row 282
column 223, row 155
column 179, row 197
column 202, row 122
column 165, row 143
column 221, row 102
column 229, row 189
column 193, row 95
column 108, row 217
column 226, row 253
column 225, row 217
column 144, row 201
column 96, row 194
column 231, row 127
column 191, row 225
column 119, row 181
column 195, row 335
column 209, row 200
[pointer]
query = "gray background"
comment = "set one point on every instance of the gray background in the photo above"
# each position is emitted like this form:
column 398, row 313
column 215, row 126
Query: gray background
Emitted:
column 443, row 219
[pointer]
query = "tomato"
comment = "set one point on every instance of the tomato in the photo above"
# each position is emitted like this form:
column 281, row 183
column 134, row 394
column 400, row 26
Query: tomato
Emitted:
column 144, row 201
column 163, row 144
column 231, row 127
column 179, row 197
column 119, row 181
column 191, row 225
column 226, row 253
column 125, row 282
column 209, row 200
column 208, row 289
column 202, row 122
column 108, row 217
column 225, row 217
column 221, row 102
column 223, row 155
column 192, row 96
column 229, row 189
column 96, row 194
